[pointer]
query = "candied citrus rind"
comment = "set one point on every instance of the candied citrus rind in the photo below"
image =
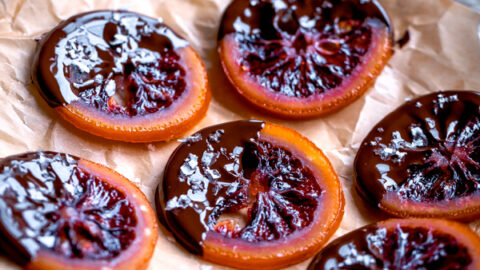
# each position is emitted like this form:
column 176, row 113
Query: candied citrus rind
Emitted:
column 465, row 208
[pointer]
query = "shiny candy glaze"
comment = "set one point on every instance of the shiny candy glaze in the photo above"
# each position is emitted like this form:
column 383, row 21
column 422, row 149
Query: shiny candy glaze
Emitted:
column 117, row 62
column 227, row 169
column 377, row 247
column 302, row 48
column 48, row 203
column 424, row 151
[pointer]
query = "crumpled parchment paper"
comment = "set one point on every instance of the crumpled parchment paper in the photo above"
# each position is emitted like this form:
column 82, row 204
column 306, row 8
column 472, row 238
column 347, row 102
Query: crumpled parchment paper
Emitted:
column 443, row 53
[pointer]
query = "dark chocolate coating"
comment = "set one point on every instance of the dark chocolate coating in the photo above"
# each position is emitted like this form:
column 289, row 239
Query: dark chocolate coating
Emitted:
column 350, row 243
column 194, row 176
column 375, row 247
column 89, row 56
column 418, row 150
column 270, row 19
column 18, row 176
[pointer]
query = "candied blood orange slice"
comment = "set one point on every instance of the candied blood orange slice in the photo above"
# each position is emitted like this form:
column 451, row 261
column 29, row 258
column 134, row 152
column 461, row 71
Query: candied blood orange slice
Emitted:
column 251, row 195
column 428, row 244
column 62, row 212
column 423, row 159
column 122, row 76
column 304, row 58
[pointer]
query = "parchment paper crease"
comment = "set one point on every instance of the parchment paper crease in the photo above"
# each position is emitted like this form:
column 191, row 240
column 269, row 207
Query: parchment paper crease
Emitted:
column 443, row 53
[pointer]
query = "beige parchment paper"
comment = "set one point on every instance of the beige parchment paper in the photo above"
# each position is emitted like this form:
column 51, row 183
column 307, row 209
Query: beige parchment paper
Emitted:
column 443, row 53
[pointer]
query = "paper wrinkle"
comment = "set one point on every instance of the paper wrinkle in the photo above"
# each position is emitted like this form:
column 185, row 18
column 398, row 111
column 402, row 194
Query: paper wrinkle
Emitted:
column 442, row 54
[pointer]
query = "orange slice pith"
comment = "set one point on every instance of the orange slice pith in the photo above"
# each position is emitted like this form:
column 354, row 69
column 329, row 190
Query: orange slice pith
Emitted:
column 258, row 216
column 403, row 244
column 285, row 93
column 90, row 216
column 122, row 76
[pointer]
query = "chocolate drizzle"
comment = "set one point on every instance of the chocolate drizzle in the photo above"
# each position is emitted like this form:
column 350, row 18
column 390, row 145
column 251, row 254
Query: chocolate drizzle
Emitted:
column 47, row 202
column 114, row 61
column 426, row 150
column 377, row 247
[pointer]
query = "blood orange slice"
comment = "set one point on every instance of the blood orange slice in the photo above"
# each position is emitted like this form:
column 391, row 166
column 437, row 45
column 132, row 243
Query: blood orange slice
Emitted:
column 303, row 58
column 423, row 159
column 250, row 195
column 122, row 76
column 63, row 212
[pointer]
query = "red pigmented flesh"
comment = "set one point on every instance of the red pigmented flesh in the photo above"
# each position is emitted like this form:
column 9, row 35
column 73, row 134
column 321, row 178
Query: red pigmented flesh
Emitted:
column 304, row 64
column 49, row 203
column 280, row 195
column 116, row 62
column 428, row 150
column 400, row 247
column 302, row 48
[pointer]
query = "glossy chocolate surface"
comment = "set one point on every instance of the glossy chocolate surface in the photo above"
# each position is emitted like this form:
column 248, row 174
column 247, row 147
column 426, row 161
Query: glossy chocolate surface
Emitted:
column 373, row 247
column 48, row 203
column 426, row 150
column 303, row 47
column 116, row 62
column 228, row 168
